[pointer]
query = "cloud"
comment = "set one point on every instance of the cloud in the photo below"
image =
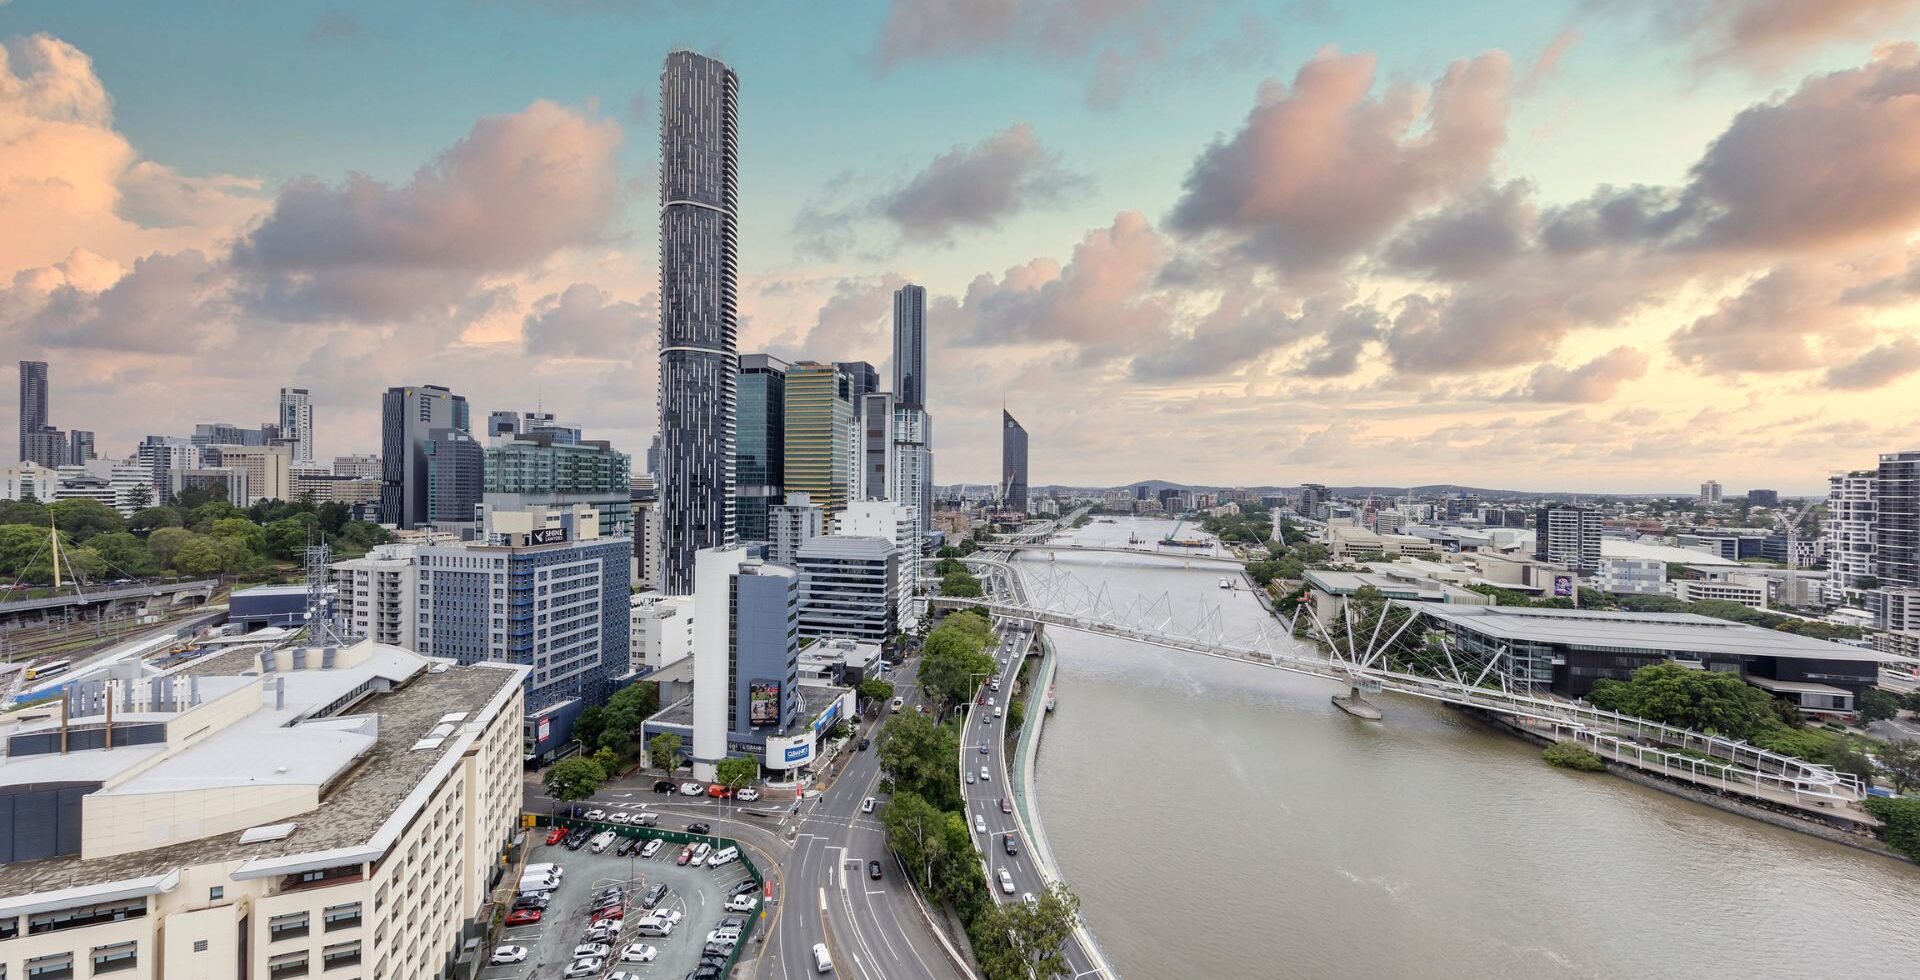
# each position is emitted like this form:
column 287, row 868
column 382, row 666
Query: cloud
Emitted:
column 515, row 190
column 1771, row 325
column 1765, row 36
column 978, row 186
column 1877, row 368
column 1548, row 63
column 1320, row 170
column 584, row 321
column 168, row 303
column 1239, row 334
column 1470, row 237
column 1597, row 380
column 1100, row 300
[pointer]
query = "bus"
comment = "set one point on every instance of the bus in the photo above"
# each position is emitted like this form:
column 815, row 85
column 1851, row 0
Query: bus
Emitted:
column 48, row 669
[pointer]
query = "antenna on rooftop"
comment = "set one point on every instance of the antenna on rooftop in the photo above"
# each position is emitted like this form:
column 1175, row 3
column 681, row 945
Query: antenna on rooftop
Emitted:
column 322, row 628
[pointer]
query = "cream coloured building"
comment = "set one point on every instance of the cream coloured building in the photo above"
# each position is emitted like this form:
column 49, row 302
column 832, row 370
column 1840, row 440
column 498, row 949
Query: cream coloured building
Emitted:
column 336, row 813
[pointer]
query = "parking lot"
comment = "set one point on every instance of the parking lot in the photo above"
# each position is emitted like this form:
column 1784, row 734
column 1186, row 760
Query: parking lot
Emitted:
column 697, row 894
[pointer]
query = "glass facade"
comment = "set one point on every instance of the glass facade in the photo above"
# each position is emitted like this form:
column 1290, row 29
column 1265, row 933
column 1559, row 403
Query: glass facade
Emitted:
column 760, row 450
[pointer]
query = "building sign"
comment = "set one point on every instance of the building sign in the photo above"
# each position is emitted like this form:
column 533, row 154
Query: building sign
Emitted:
column 798, row 753
column 763, row 703
column 1563, row 586
column 789, row 751
column 827, row 718
column 547, row 535
column 546, row 730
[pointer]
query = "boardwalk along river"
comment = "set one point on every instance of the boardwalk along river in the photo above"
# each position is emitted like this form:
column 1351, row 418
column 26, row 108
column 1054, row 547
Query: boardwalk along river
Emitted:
column 1224, row 821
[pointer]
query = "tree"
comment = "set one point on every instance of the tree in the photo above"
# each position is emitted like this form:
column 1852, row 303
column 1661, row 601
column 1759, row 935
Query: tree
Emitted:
column 1878, row 705
column 190, row 498
column 1703, row 700
column 202, row 517
column 165, row 542
column 1900, row 820
column 914, row 831
column 287, row 537
column 1900, row 760
column 960, row 585
column 153, row 518
column 588, row 725
column 198, row 556
column 139, row 497
column 607, row 760
column 123, row 552
column 919, row 756
column 664, row 750
column 85, row 518
column 873, row 690
column 29, row 512
column 1028, row 942
column 1573, row 755
column 571, row 780
column 737, row 771
column 244, row 531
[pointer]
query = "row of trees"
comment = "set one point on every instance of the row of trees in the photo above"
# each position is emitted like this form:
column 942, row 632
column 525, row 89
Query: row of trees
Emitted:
column 198, row 535
column 955, row 657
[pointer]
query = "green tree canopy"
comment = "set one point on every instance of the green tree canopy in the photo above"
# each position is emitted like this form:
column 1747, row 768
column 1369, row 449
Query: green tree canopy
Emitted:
column 1703, row 700
column 915, row 831
column 165, row 543
column 242, row 530
column 85, row 518
column 920, row 757
column 737, row 771
column 1900, row 760
column 874, row 690
column 287, row 537
column 202, row 517
column 664, row 750
column 1028, row 942
column 126, row 554
column 152, row 518
column 574, row 779
column 28, row 512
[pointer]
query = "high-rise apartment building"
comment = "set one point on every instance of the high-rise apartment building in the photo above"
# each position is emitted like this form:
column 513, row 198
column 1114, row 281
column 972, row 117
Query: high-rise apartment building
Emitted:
column 913, row 466
column 376, row 595
column 760, row 457
column 408, row 415
column 1568, row 535
column 819, row 436
column 36, row 442
column 296, row 424
column 80, row 447
column 910, row 346
column 456, row 475
column 849, row 587
column 862, row 379
column 745, row 656
column 874, row 419
column 1849, row 532
column 1896, row 527
column 549, row 466
column 1013, row 464
column 1710, row 492
column 792, row 524
column 896, row 522
column 163, row 455
column 1763, row 498
column 699, row 175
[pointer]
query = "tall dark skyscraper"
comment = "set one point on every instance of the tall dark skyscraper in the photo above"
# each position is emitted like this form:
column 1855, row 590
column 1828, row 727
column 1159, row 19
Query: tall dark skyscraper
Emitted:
column 760, row 459
column 862, row 380
column 910, row 346
column 1013, row 463
column 699, row 177
column 408, row 416
column 33, row 406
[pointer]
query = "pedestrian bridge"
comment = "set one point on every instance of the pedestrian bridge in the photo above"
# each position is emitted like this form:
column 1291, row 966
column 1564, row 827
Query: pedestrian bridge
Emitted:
column 1192, row 559
column 1358, row 662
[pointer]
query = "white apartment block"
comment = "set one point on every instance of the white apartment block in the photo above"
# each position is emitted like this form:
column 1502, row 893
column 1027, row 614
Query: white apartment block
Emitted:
column 19, row 481
column 850, row 587
column 896, row 522
column 1632, row 576
column 1750, row 592
column 1848, row 529
column 791, row 525
column 268, row 470
column 660, row 630
column 360, row 467
column 377, row 596
column 259, row 813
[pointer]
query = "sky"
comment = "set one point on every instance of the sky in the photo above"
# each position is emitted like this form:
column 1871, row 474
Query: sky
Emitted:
column 1594, row 245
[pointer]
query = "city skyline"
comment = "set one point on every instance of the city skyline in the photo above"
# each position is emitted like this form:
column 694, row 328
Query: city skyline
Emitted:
column 1569, row 249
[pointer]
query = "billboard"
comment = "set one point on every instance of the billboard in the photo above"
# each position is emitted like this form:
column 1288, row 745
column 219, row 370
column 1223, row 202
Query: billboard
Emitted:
column 1563, row 586
column 827, row 718
column 763, row 703
column 546, row 729
column 789, row 751
column 547, row 535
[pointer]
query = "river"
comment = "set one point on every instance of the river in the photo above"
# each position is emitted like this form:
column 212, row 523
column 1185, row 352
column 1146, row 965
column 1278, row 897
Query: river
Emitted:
column 1223, row 820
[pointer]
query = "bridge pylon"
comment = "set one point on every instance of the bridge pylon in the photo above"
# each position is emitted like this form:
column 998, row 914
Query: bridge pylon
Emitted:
column 1356, row 702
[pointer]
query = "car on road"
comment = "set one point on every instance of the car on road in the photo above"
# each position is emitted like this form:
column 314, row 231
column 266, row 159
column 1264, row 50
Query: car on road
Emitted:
column 899, row 703
column 1027, row 897
column 596, row 814
column 873, row 870
column 742, row 903
column 556, row 835
column 663, row 785
column 1013, row 847
column 864, row 743
column 650, row 848
column 983, row 748
column 692, row 789
column 747, row 795
column 979, row 823
column 1006, row 805
column 653, row 896
column 503, row 955
column 523, row 917
column 638, row 953
column 822, row 963
column 985, row 776
column 996, row 712
column 699, row 828
column 969, row 777
column 583, row 968
column 719, row 792
column 1006, row 882
column 867, row 805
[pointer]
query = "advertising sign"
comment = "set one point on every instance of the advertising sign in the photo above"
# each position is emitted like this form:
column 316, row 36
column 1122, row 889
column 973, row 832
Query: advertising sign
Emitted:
column 798, row 753
column 547, row 535
column 763, row 703
column 546, row 730
column 827, row 718
column 1563, row 586
column 790, row 751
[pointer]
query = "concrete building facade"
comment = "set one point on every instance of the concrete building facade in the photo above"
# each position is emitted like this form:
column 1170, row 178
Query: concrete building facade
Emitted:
column 849, row 586
column 791, row 525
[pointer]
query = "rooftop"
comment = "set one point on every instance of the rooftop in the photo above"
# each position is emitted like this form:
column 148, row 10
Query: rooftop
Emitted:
column 1661, row 632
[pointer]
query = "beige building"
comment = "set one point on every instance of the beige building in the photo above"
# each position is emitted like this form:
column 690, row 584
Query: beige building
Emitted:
column 335, row 812
column 377, row 594
column 268, row 470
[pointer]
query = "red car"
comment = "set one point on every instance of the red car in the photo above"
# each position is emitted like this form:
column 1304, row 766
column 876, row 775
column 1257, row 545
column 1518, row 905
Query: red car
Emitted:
column 613, row 912
column 523, row 917
column 686, row 854
column 1006, row 805
column 557, row 835
column 719, row 792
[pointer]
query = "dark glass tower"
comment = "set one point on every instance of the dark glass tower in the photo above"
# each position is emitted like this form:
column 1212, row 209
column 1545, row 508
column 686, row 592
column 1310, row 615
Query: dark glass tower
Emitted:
column 699, row 178
column 910, row 346
column 33, row 409
column 1013, row 463
column 760, row 462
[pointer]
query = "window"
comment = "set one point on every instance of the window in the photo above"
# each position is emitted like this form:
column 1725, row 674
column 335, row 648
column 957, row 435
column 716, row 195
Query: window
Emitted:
column 55, row 966
column 290, row 925
column 216, row 893
column 199, row 945
column 9, row 927
column 85, row 915
column 339, row 917
column 287, row 965
column 114, row 958
column 339, row 955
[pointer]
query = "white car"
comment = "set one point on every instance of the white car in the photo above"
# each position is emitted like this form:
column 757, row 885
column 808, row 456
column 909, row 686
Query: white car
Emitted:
column 969, row 777
column 591, row 951
column 584, row 968
column 742, row 903
column 596, row 814
column 638, row 953
column 866, row 805
column 728, row 935
column 651, row 848
column 1006, row 882
column 979, row 823
column 669, row 915
column 984, row 775
column 700, row 852
column 1028, row 898
column 692, row 789
column 620, row 816
column 747, row 795
column 508, row 954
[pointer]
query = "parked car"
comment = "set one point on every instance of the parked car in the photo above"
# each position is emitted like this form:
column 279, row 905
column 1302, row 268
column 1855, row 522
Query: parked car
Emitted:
column 583, row 968
column 873, row 870
column 653, row 896
column 602, row 931
column 671, row 915
column 743, row 888
column 719, row 792
column 692, row 789
column 699, row 828
column 508, row 954
column 523, row 917
column 700, row 852
column 1006, row 882
column 663, row 785
column 638, row 953
column 645, row 819
column 609, row 913
column 596, row 814
column 556, row 835
column 742, row 903
column 723, row 856
column 618, row 816
column 650, row 848
column 628, row 845
column 653, row 926
column 577, row 839
column 686, row 854
column 747, row 795
column 595, row 950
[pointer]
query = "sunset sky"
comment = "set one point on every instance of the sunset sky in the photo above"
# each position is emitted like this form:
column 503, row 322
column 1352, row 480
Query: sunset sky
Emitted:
column 1606, row 245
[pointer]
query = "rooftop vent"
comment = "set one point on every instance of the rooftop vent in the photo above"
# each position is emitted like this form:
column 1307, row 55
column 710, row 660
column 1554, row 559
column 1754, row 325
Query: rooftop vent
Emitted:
column 272, row 831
